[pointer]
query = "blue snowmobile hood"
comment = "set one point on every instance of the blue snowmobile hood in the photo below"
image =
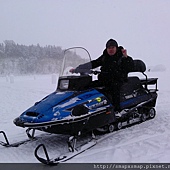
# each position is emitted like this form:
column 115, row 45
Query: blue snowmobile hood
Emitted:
column 59, row 105
column 49, row 101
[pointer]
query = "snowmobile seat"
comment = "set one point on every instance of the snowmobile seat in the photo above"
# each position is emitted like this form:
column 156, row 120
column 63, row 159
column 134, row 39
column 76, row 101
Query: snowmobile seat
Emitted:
column 132, row 84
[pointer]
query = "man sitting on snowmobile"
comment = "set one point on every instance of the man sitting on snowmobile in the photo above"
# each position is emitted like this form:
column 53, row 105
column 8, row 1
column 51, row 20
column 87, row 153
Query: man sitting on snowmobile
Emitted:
column 115, row 65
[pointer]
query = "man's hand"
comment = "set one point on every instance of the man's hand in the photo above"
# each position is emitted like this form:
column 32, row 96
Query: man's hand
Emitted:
column 124, row 52
column 72, row 70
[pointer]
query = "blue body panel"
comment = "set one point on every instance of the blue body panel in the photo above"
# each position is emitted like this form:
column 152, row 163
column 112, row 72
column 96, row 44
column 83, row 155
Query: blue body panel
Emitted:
column 49, row 101
column 58, row 105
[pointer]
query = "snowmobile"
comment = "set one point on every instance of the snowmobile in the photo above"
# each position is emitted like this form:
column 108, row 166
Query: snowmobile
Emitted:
column 75, row 108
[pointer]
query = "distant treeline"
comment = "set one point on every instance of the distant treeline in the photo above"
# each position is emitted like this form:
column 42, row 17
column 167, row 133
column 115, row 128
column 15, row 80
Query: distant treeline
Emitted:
column 32, row 59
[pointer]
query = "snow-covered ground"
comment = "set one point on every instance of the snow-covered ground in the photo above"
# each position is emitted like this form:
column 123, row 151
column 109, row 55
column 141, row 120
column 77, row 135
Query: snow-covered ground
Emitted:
column 148, row 142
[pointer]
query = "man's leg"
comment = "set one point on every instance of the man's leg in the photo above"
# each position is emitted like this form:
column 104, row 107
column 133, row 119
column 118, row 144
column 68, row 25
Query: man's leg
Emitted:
column 115, row 91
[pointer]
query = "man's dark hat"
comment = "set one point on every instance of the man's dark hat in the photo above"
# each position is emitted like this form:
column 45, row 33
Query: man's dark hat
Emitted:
column 111, row 42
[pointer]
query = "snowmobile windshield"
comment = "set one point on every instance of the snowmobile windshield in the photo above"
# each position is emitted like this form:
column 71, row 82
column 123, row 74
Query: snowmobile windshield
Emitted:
column 75, row 57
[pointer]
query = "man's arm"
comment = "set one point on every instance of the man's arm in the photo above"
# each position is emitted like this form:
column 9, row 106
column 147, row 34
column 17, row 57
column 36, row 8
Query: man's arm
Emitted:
column 127, row 64
column 87, row 66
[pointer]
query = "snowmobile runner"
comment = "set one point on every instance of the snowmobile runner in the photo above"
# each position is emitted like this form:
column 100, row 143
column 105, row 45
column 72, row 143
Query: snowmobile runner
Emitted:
column 75, row 109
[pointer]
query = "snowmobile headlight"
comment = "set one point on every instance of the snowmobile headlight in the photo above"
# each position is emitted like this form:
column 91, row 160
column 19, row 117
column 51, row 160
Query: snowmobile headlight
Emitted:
column 64, row 84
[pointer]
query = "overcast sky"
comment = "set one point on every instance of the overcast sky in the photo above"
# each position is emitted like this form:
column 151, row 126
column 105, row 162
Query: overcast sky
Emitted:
column 141, row 26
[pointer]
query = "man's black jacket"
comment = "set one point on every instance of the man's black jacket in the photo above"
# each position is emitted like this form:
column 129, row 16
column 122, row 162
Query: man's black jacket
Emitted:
column 113, row 68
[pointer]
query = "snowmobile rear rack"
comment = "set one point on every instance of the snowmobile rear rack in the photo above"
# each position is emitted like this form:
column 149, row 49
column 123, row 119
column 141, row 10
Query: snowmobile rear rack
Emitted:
column 150, row 81
column 139, row 66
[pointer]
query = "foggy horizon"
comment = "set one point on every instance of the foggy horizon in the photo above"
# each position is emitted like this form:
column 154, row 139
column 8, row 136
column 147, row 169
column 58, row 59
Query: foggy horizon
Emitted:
column 140, row 26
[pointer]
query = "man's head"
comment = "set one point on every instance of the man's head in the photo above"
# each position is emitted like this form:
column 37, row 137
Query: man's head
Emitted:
column 111, row 47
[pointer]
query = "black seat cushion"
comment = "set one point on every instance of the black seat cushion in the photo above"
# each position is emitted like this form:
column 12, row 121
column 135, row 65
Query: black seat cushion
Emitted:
column 132, row 84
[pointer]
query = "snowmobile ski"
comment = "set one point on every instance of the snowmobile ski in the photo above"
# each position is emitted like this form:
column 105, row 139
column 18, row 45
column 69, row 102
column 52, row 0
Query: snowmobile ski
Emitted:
column 6, row 143
column 71, row 153
column 65, row 157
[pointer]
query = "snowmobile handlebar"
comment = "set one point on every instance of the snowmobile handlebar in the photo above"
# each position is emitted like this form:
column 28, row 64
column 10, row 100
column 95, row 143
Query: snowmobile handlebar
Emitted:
column 95, row 72
column 85, row 71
